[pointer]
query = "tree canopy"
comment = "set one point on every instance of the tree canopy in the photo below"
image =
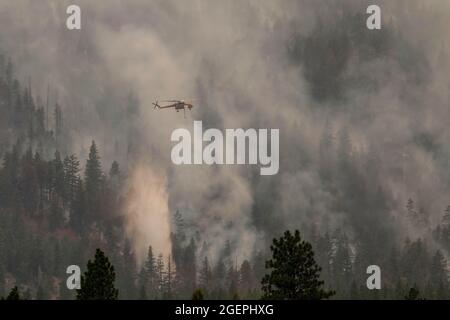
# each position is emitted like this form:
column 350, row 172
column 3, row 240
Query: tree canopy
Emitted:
column 97, row 283
column 294, row 274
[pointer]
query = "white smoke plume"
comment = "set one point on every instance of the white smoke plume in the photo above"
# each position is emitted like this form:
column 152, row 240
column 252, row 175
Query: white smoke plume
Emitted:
column 147, row 212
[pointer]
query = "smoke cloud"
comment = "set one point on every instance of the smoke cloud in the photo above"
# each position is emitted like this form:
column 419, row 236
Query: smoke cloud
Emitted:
column 147, row 213
column 299, row 66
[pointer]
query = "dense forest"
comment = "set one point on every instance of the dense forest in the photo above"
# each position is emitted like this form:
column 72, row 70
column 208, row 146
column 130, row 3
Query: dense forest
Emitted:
column 364, row 151
column 55, row 212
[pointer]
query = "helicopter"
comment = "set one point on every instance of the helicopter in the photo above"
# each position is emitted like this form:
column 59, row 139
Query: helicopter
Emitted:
column 176, row 104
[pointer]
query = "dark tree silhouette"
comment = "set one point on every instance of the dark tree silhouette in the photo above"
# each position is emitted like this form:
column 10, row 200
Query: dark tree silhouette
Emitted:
column 93, row 175
column 413, row 294
column 97, row 283
column 198, row 295
column 13, row 294
column 71, row 179
column 294, row 272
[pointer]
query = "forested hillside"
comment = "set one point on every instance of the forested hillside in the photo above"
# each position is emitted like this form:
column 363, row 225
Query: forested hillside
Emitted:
column 55, row 211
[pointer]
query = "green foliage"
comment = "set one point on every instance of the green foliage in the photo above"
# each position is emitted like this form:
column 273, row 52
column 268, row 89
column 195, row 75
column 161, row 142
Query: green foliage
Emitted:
column 51, row 216
column 198, row 295
column 205, row 274
column 78, row 208
column 114, row 171
column 93, row 175
column 148, row 274
column 71, row 178
column 413, row 294
column 97, row 283
column 294, row 274
column 127, row 272
column 13, row 294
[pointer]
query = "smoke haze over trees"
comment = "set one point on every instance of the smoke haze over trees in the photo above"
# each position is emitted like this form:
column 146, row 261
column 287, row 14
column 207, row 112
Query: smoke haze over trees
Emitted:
column 364, row 144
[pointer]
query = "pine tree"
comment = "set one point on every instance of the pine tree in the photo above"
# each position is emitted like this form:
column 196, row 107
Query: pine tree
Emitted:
column 415, row 259
column 258, row 265
column 97, row 283
column 93, row 171
column 9, row 175
column 41, row 174
column 13, row 294
column 58, row 115
column 71, row 179
column 178, row 238
column 219, row 280
column 198, row 294
column 205, row 275
column 413, row 294
column 179, row 225
column 324, row 248
column 78, row 208
column 148, row 276
column 127, row 272
column 28, row 183
column 93, row 179
column 115, row 175
column 342, row 265
column 114, row 171
column 169, row 280
column 246, row 282
column 439, row 273
column 294, row 272
column 422, row 218
column 232, row 280
column 58, row 177
column 187, row 268
column 160, row 274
